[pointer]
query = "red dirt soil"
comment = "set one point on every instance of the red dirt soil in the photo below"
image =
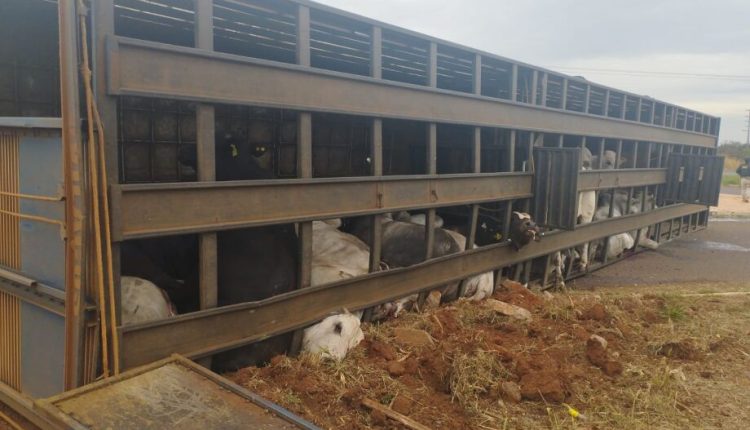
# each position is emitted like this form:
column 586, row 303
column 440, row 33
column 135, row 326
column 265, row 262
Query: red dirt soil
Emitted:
column 475, row 351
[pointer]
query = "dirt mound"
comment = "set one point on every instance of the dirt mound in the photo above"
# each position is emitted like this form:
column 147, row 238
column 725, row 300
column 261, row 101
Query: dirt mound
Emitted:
column 467, row 366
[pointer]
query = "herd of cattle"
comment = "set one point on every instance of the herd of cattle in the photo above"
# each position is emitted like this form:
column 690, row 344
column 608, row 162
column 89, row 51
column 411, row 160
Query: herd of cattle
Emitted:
column 257, row 263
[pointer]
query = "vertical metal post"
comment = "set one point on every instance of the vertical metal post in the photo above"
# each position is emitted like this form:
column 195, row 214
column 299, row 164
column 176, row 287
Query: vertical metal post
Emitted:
column 376, row 159
column 303, row 35
column 74, row 204
column 545, row 82
column 431, row 170
column 663, row 115
column 376, row 59
column 514, row 83
column 534, row 85
column 612, row 199
column 477, row 161
column 623, row 114
column 509, row 204
column 511, row 168
column 206, row 156
column 476, row 155
column 432, row 81
column 606, row 102
column 588, row 99
column 652, row 114
column 639, row 109
column 304, row 166
column 376, row 226
column 564, row 94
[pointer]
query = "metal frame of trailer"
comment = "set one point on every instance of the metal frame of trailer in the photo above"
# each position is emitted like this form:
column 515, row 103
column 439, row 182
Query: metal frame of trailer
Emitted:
column 321, row 60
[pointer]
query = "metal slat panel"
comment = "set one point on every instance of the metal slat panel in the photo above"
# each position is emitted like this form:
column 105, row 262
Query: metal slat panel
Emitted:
column 10, row 251
column 10, row 340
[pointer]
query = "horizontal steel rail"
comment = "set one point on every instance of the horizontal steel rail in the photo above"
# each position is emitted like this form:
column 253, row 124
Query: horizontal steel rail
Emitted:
column 37, row 294
column 607, row 179
column 148, row 210
column 151, row 209
column 30, row 122
column 157, row 70
column 209, row 331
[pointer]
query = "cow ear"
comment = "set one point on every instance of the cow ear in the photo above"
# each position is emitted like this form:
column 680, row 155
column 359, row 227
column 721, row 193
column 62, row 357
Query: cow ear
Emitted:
column 517, row 214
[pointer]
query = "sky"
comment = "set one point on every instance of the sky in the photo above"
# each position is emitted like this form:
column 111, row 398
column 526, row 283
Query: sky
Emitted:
column 605, row 41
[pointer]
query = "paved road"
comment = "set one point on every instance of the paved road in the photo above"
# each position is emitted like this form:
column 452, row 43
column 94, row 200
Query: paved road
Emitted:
column 735, row 191
column 720, row 253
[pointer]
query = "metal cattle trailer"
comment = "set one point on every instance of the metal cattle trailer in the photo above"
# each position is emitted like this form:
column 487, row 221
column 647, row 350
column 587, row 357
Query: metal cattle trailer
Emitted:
column 354, row 117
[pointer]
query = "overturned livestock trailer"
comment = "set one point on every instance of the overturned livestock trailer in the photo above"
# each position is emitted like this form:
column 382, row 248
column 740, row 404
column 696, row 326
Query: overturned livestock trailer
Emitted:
column 204, row 125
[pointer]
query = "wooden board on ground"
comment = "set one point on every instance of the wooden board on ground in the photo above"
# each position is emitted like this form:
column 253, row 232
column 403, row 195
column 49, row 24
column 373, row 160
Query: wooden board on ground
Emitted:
column 174, row 393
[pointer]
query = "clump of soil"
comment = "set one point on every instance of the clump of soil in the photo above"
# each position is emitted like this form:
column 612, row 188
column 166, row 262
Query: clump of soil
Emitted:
column 683, row 350
column 464, row 365
column 596, row 312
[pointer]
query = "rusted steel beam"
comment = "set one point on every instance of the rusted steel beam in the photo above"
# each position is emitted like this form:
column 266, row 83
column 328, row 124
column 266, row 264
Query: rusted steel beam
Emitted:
column 606, row 179
column 159, row 209
column 206, row 332
column 74, row 201
column 157, row 70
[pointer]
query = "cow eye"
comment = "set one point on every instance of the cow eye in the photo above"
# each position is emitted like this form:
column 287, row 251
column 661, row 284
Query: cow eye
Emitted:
column 338, row 328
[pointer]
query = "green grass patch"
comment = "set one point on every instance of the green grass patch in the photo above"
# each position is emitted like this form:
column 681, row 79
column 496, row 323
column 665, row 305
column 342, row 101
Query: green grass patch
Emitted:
column 730, row 179
column 673, row 312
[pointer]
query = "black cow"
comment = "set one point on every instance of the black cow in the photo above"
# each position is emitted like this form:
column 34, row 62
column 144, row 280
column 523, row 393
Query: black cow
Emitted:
column 253, row 264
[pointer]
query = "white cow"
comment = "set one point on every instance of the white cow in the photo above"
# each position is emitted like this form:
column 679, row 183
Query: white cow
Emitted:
column 478, row 287
column 334, row 336
column 586, row 210
column 337, row 255
column 143, row 301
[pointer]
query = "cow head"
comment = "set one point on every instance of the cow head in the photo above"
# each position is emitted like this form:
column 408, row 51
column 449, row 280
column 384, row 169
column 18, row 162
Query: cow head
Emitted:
column 523, row 230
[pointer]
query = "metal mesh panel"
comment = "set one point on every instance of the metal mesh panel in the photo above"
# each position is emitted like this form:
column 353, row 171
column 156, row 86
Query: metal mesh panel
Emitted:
column 10, row 340
column 154, row 134
column 29, row 82
column 10, row 252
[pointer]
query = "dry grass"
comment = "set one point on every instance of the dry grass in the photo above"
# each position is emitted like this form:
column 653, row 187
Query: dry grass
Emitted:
column 685, row 356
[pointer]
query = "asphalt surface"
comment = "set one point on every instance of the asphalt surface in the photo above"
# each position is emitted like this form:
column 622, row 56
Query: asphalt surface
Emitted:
column 721, row 253
column 735, row 191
